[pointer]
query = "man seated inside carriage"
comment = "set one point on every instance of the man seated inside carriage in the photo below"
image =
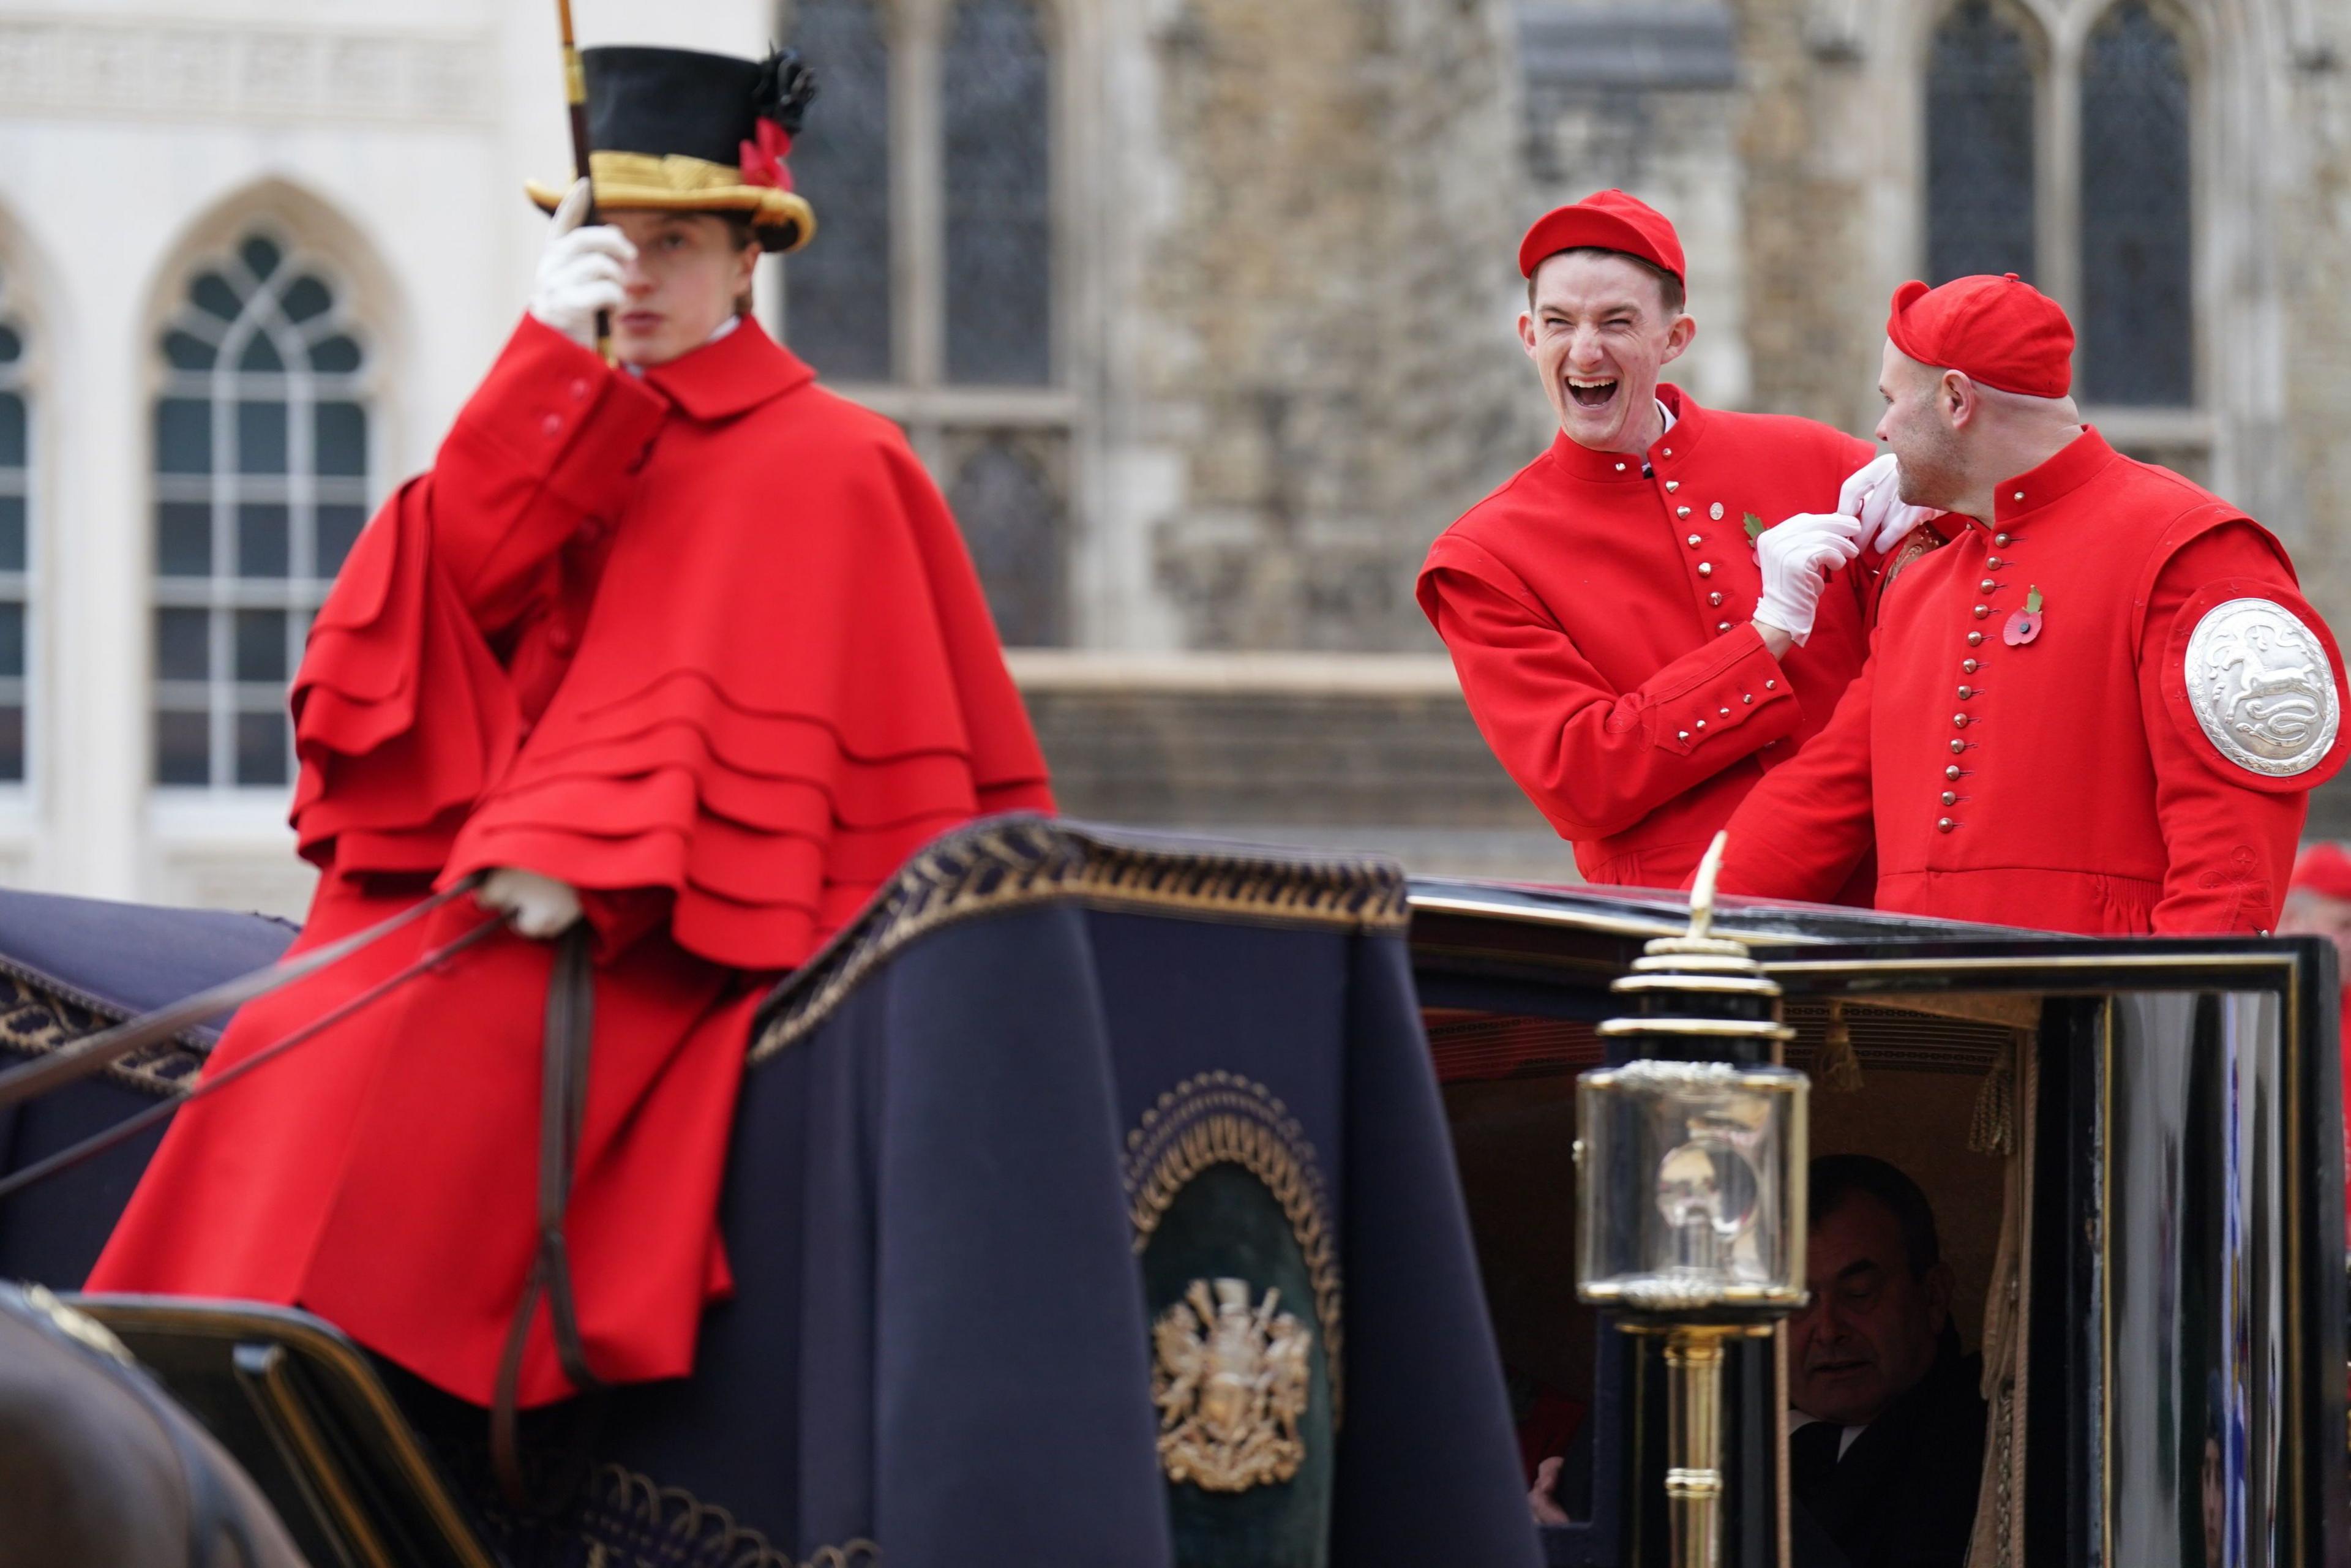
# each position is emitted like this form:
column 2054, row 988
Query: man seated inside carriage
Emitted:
column 1886, row 1422
column 680, row 655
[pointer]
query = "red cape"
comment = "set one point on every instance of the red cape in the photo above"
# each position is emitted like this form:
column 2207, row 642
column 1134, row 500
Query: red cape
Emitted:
column 788, row 683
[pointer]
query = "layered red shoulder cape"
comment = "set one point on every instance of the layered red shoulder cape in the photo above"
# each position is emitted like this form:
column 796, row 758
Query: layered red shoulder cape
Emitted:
column 787, row 682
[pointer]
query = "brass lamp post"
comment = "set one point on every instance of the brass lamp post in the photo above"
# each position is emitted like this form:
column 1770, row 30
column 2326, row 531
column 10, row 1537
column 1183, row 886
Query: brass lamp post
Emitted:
column 1690, row 1184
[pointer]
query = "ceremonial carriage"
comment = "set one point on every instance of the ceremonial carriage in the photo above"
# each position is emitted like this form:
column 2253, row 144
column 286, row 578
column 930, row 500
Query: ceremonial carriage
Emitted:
column 1110, row 1198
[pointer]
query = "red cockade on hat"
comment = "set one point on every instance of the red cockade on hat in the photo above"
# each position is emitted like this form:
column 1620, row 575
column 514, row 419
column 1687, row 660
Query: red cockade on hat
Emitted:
column 763, row 160
column 2001, row 331
column 1605, row 220
column 2323, row 869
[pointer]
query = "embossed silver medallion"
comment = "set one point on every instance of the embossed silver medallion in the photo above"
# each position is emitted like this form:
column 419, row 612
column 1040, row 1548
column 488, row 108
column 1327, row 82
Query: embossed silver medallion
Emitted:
column 2262, row 687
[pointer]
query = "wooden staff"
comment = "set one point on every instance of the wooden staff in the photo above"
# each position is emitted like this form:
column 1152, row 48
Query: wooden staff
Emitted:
column 575, row 93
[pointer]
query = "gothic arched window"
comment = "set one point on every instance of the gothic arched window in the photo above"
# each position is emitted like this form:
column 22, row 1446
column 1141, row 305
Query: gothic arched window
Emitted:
column 1981, row 172
column 261, row 486
column 15, row 533
column 930, row 290
column 2138, row 341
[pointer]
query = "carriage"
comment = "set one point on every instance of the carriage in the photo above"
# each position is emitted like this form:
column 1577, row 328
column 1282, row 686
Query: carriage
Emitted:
column 1118, row 1198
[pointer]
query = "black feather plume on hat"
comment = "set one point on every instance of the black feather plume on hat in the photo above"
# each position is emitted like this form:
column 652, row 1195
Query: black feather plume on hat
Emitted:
column 785, row 89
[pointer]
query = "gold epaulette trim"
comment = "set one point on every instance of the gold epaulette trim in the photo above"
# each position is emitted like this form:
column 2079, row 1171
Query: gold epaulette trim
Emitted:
column 1012, row 862
column 674, row 183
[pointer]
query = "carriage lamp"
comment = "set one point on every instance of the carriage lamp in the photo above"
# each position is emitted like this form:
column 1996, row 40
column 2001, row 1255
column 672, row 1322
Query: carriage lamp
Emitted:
column 1690, row 1163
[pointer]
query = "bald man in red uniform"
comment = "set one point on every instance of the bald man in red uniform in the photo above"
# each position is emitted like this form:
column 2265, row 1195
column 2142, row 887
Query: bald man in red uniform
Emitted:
column 1661, row 607
column 2100, row 708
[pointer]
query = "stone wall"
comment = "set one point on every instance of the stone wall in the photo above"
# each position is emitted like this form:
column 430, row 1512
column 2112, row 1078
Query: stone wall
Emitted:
column 2315, row 255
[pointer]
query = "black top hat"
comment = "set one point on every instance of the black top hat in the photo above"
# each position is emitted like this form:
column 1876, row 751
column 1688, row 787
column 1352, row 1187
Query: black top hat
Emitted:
column 685, row 132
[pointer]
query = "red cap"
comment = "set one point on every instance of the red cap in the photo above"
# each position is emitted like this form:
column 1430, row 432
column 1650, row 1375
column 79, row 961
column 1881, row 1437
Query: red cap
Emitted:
column 2001, row 331
column 1607, row 220
column 2323, row 869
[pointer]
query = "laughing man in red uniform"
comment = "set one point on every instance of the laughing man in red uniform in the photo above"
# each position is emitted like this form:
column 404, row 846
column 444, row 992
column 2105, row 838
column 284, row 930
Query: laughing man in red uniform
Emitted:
column 1663, row 606
column 2100, row 708
column 682, row 655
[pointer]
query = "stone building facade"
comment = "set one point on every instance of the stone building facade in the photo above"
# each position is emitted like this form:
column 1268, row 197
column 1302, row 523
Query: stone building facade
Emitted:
column 1201, row 310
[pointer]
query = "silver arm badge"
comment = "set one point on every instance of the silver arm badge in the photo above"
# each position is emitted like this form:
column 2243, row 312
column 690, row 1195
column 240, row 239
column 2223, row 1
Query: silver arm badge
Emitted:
column 1231, row 1382
column 2261, row 689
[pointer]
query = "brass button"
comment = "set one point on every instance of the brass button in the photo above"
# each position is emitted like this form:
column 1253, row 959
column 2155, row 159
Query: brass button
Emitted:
column 1668, row 452
column 1620, row 467
column 1684, row 733
column 1965, row 692
column 2001, row 540
column 1681, row 511
column 1771, row 685
column 1952, row 771
column 1706, row 569
column 1992, row 564
column 1944, row 824
column 1672, row 486
column 1715, row 598
column 1726, row 713
column 1950, row 797
column 1974, row 638
column 1960, row 720
column 1982, row 611
column 2017, row 496
column 1969, row 667
column 1958, row 747
column 1701, row 724
column 1987, row 586
column 1747, row 696
column 1722, row 626
column 1695, row 540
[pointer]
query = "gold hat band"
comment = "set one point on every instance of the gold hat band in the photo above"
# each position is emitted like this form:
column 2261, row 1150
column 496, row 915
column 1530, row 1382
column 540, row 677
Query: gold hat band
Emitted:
column 674, row 183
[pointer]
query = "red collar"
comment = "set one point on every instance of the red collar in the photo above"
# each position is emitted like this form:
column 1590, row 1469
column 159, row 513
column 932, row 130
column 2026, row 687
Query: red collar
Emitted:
column 1670, row 451
column 2074, row 465
column 741, row 371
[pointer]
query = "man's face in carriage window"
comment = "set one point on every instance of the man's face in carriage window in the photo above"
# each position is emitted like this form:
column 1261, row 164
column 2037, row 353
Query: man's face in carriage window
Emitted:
column 687, row 275
column 1869, row 1335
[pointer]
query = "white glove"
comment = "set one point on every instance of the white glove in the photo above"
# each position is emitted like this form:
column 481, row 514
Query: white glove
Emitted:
column 1793, row 557
column 536, row 906
column 1871, row 494
column 580, row 272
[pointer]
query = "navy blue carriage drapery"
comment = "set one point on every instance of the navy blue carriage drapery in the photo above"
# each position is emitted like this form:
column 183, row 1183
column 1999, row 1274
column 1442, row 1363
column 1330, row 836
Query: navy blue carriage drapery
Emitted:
column 1090, row 1202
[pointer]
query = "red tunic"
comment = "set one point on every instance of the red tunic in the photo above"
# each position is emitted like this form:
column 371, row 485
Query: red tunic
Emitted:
column 2065, row 782
column 1600, row 620
column 705, row 644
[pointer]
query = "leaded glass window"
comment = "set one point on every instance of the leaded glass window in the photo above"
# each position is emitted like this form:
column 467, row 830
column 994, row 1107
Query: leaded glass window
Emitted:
column 1979, row 146
column 2137, row 341
column 261, row 467
column 996, row 82
column 16, row 532
column 1007, row 502
column 841, row 284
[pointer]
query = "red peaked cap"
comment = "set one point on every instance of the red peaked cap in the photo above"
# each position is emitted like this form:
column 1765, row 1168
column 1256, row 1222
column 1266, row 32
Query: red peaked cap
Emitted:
column 2323, row 869
column 2001, row 331
column 1608, row 220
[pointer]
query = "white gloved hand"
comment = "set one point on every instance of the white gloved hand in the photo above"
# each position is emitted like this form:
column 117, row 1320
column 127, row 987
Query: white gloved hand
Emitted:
column 1871, row 494
column 536, row 906
column 580, row 272
column 1793, row 557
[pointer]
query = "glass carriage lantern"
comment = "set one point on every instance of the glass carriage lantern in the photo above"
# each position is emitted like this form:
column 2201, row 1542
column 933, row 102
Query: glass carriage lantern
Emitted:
column 1690, row 1184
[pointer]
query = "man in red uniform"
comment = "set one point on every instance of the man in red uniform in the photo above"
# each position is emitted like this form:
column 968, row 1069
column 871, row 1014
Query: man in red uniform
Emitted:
column 1640, row 617
column 2100, row 708
column 686, row 648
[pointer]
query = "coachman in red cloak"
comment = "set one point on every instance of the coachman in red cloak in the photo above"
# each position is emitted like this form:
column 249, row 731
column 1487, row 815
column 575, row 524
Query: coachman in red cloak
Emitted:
column 682, row 655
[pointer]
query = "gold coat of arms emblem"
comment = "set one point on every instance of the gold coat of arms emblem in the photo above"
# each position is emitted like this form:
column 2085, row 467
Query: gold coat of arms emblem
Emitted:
column 1231, row 1380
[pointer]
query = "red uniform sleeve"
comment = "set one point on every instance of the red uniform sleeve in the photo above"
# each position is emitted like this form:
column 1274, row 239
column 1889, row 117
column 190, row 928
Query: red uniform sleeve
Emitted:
column 552, row 438
column 1801, row 832
column 1594, row 759
column 2229, row 844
